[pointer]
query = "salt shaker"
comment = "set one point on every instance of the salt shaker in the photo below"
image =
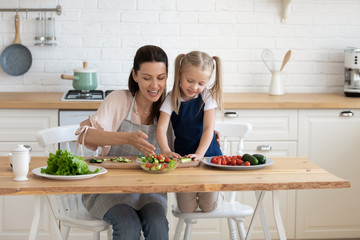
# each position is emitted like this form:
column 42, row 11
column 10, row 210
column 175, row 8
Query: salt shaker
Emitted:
column 20, row 158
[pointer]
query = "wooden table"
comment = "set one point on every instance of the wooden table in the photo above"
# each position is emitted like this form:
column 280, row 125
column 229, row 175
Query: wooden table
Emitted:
column 283, row 174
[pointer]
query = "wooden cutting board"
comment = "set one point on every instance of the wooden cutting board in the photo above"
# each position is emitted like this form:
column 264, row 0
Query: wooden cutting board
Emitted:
column 110, row 164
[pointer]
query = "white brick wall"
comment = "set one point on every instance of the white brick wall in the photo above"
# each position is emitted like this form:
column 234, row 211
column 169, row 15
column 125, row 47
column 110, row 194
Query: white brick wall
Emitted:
column 106, row 33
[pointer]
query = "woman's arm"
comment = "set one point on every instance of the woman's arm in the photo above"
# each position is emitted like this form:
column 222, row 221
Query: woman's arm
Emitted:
column 97, row 137
column 161, row 135
column 207, row 135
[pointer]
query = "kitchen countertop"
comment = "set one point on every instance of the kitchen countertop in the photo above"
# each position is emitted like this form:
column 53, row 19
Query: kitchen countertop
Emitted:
column 52, row 100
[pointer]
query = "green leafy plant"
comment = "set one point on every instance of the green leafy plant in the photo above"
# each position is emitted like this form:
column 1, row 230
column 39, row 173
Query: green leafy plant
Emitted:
column 66, row 163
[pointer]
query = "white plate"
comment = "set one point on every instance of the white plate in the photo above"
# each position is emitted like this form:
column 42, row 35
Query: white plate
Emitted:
column 37, row 171
column 207, row 160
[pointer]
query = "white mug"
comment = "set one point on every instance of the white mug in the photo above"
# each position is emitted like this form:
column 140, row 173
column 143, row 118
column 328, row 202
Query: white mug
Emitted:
column 20, row 158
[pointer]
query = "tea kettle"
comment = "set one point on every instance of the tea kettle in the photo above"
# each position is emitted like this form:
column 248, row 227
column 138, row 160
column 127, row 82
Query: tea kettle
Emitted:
column 84, row 78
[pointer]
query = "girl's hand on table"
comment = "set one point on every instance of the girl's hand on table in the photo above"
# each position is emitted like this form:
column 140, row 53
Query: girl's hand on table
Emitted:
column 137, row 140
column 172, row 155
column 195, row 157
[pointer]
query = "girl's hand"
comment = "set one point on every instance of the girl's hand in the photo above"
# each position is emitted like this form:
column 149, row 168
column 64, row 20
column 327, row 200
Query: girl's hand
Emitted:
column 137, row 140
column 195, row 157
column 172, row 155
column 217, row 136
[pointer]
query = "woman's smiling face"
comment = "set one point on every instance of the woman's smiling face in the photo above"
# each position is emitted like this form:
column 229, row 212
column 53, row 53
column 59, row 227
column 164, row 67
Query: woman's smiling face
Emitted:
column 151, row 78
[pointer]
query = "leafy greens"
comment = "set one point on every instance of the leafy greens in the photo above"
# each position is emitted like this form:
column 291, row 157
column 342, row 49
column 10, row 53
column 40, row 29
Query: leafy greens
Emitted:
column 66, row 163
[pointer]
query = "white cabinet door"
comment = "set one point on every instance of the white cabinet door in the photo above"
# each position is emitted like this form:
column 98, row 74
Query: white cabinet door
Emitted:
column 331, row 141
column 19, row 126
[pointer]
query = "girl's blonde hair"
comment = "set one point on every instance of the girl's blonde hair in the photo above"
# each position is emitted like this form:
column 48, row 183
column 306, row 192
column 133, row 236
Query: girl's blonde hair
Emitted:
column 205, row 63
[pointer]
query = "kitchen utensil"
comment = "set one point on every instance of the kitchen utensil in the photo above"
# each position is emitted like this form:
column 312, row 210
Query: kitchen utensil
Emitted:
column 84, row 78
column 286, row 59
column 276, row 86
column 268, row 58
column 16, row 59
column 20, row 158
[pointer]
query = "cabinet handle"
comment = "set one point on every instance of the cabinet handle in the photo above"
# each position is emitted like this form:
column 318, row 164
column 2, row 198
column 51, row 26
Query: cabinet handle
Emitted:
column 264, row 148
column 231, row 114
column 346, row 114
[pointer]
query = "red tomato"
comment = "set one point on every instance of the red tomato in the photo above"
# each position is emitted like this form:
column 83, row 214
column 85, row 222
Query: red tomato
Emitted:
column 246, row 163
column 167, row 159
column 239, row 162
column 239, row 157
column 148, row 165
column 233, row 162
column 223, row 162
column 159, row 157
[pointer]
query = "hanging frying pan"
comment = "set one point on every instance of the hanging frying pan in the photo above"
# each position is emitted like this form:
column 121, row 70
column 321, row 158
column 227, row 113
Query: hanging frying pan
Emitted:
column 16, row 59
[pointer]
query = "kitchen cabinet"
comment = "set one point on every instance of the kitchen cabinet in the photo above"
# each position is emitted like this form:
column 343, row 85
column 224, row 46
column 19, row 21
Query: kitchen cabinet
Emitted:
column 19, row 126
column 330, row 138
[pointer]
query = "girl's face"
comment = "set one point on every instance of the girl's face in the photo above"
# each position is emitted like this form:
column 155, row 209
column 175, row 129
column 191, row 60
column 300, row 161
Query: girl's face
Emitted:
column 151, row 78
column 193, row 81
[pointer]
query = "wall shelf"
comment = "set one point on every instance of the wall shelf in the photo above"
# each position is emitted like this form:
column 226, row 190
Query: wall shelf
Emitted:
column 57, row 10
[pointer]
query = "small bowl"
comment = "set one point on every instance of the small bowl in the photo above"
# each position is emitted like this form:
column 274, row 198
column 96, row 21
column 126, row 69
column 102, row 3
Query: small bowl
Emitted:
column 157, row 167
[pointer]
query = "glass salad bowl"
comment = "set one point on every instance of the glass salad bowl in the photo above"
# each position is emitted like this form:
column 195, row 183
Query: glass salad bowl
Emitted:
column 157, row 163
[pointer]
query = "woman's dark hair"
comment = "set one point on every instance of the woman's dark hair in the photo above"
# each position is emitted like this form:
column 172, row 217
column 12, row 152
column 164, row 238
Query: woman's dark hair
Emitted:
column 148, row 53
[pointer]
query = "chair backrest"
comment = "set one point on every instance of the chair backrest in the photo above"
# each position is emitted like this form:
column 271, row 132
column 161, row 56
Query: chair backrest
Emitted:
column 61, row 205
column 49, row 138
column 239, row 130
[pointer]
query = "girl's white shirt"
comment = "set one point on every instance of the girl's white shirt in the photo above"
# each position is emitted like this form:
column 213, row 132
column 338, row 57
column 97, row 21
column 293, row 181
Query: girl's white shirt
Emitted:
column 209, row 101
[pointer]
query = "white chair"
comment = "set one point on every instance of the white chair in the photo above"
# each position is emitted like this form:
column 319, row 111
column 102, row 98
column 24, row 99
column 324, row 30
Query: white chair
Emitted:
column 234, row 211
column 68, row 209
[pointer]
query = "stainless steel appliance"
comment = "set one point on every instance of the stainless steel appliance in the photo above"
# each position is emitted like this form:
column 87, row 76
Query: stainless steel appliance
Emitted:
column 85, row 95
column 352, row 72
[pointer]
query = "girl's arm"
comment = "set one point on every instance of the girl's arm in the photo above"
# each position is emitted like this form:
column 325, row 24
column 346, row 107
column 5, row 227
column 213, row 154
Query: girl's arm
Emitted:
column 103, row 138
column 161, row 135
column 207, row 135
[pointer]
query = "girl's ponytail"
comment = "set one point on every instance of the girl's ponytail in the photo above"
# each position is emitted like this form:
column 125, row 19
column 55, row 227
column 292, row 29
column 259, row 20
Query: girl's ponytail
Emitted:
column 216, row 88
column 176, row 92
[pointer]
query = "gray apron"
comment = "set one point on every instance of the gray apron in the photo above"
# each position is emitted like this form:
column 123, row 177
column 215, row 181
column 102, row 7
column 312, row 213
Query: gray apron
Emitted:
column 99, row 204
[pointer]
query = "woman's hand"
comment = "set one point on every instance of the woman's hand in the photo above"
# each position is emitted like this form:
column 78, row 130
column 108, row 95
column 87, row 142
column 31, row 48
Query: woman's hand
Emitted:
column 137, row 140
column 217, row 136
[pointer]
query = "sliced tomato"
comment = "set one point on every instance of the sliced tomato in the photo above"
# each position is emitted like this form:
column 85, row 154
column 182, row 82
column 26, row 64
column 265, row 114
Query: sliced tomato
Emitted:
column 167, row 160
column 148, row 165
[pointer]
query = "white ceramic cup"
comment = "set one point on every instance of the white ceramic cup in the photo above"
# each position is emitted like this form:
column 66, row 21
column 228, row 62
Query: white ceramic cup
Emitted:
column 19, row 158
column 276, row 84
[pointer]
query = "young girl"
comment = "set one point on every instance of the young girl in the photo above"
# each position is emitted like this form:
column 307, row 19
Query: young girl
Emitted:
column 191, row 108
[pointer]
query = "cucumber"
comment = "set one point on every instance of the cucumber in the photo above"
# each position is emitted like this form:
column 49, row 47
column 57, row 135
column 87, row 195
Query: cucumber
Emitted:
column 261, row 158
column 253, row 160
column 185, row 160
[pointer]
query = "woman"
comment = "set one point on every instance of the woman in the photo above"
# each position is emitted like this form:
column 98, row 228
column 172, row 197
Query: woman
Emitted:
column 124, row 126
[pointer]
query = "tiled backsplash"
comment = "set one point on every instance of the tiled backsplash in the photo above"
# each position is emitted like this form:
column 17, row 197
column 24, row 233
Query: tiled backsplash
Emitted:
column 107, row 33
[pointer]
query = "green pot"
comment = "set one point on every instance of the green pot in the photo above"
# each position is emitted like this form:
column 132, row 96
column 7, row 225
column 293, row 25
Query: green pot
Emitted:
column 83, row 79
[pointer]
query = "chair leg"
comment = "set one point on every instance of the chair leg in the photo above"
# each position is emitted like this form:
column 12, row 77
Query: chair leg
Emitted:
column 241, row 228
column 232, row 230
column 96, row 235
column 188, row 228
column 178, row 229
column 109, row 233
column 65, row 230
